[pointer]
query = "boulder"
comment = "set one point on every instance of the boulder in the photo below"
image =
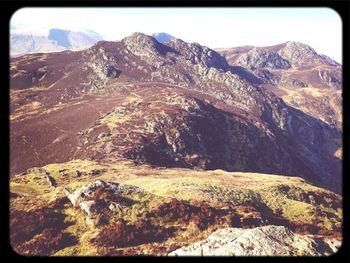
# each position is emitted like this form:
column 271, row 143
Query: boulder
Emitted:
column 90, row 207
column 87, row 190
column 77, row 173
column 109, row 147
column 50, row 180
column 260, row 241
column 115, row 207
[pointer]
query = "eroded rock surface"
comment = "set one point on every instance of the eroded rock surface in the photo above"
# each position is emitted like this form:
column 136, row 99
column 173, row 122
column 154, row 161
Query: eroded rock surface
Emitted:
column 260, row 241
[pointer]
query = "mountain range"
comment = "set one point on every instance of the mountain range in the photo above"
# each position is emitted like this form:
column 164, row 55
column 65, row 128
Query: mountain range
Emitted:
column 55, row 40
column 259, row 127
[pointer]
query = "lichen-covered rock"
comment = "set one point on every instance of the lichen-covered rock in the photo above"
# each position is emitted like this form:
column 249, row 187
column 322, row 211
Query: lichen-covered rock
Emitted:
column 260, row 241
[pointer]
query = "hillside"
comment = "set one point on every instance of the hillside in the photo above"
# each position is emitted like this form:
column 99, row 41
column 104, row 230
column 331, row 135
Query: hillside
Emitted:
column 125, row 76
column 159, row 209
column 140, row 147
column 303, row 78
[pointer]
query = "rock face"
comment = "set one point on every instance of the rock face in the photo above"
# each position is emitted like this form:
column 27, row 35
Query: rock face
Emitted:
column 262, row 58
column 260, row 241
column 300, row 54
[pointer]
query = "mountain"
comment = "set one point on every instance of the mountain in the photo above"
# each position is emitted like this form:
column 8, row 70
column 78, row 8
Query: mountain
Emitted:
column 303, row 78
column 179, row 78
column 24, row 42
column 163, row 37
column 142, row 147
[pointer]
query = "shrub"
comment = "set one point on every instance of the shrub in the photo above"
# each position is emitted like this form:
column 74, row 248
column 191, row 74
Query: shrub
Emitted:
column 122, row 234
column 45, row 243
column 38, row 232
column 200, row 213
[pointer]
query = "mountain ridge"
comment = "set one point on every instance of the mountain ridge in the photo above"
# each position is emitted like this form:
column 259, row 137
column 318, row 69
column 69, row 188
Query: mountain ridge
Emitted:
column 140, row 59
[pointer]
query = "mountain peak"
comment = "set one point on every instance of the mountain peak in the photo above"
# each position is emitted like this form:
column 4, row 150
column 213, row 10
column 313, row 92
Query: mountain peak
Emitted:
column 143, row 45
column 163, row 37
column 138, row 37
column 300, row 54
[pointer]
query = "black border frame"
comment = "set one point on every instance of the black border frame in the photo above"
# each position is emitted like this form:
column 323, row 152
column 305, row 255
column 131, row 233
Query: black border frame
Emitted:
column 7, row 8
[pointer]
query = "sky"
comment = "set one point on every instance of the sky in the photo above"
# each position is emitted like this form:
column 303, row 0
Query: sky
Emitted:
column 321, row 28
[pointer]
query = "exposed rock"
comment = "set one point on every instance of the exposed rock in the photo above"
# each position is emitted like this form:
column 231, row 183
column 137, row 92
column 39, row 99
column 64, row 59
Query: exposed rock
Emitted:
column 77, row 173
column 115, row 207
column 300, row 54
column 330, row 78
column 90, row 207
column 262, row 58
column 98, row 198
column 96, row 172
column 50, row 180
column 146, row 47
column 87, row 190
column 198, row 54
column 109, row 147
column 299, row 83
column 102, row 135
column 260, row 241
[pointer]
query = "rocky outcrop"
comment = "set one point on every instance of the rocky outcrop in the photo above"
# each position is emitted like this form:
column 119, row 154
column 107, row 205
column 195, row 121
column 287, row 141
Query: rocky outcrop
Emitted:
column 330, row 78
column 82, row 193
column 299, row 54
column 99, row 198
column 260, row 241
column 50, row 180
column 197, row 54
column 262, row 58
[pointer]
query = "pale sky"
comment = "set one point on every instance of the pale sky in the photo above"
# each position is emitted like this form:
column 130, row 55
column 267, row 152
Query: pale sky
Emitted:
column 321, row 28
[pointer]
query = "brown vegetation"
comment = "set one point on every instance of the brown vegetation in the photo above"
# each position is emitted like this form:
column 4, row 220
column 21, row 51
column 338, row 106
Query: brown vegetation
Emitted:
column 38, row 232
column 200, row 213
column 123, row 234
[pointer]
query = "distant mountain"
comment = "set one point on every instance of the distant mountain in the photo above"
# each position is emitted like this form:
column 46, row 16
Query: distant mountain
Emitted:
column 163, row 37
column 294, row 71
column 25, row 42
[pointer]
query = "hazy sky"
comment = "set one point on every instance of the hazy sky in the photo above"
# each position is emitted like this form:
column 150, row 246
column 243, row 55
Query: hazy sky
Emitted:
column 213, row 27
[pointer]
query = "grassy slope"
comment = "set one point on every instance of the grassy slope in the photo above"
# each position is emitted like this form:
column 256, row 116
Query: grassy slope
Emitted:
column 290, row 197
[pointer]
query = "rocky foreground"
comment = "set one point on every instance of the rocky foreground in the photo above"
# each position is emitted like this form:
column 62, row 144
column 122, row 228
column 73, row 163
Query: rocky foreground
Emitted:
column 84, row 208
column 259, row 241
